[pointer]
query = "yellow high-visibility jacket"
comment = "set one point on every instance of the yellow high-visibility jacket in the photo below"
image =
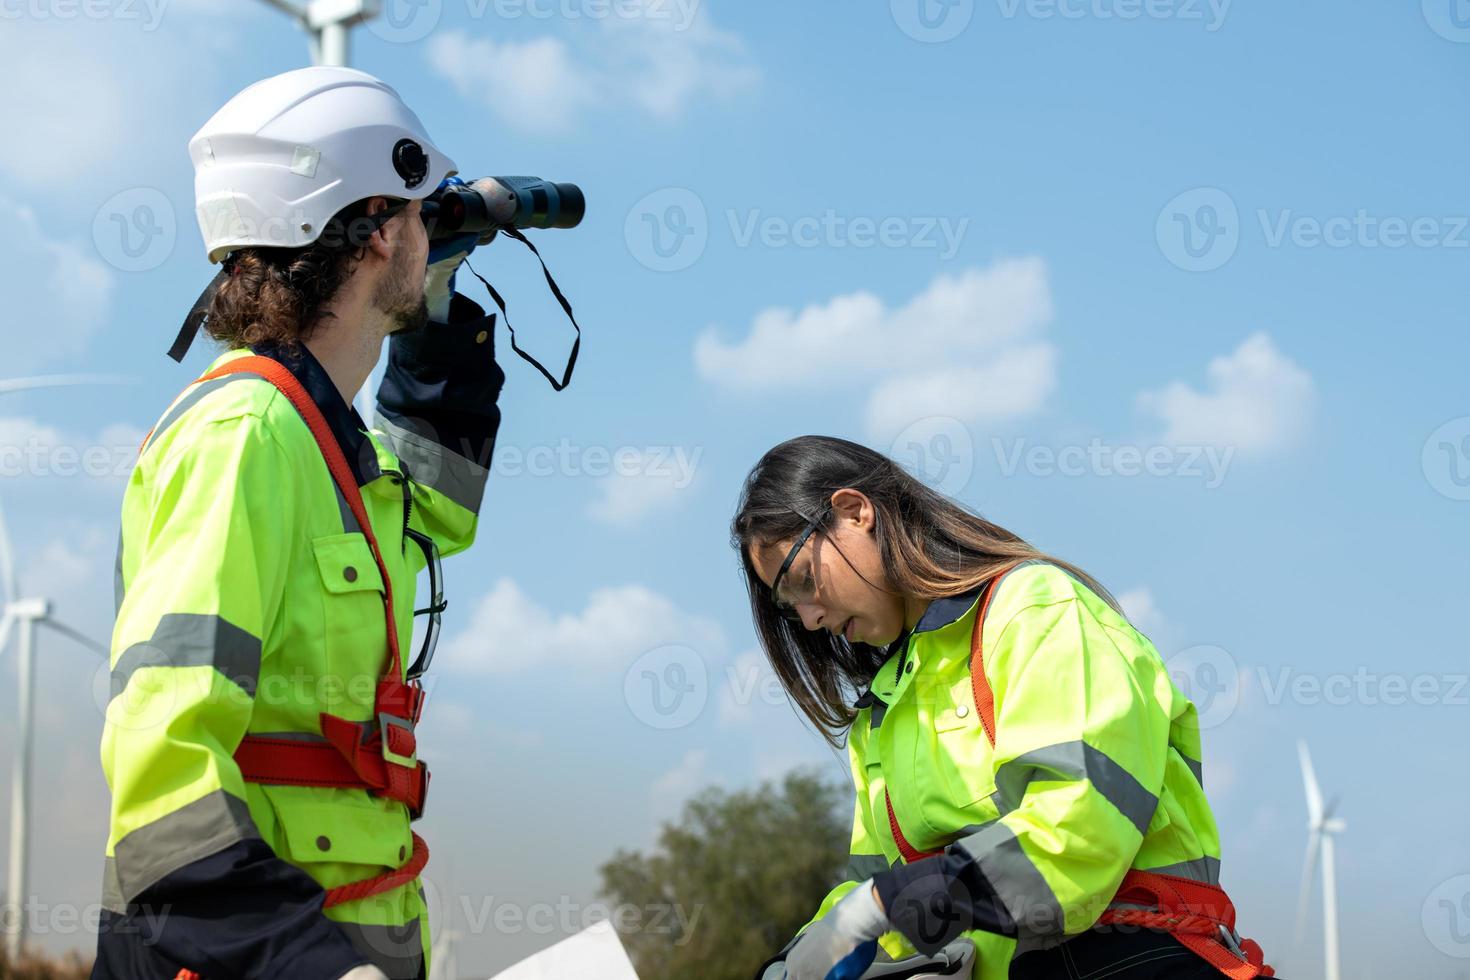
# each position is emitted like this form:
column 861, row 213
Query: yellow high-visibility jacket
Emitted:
column 249, row 602
column 1095, row 770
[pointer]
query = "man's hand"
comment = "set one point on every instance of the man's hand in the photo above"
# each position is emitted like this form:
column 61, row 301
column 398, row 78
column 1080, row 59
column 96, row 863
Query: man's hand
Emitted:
column 365, row 972
column 445, row 257
column 842, row 944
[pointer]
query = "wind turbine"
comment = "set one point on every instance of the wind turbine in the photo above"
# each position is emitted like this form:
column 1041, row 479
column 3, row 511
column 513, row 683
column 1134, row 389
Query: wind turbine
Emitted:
column 326, row 23
column 1321, row 825
column 444, row 964
column 24, row 614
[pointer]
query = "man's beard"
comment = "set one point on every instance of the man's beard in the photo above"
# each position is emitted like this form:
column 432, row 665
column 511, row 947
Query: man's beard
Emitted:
column 400, row 298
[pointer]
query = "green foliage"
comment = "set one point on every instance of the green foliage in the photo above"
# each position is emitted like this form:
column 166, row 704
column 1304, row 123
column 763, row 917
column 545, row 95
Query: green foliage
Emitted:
column 732, row 880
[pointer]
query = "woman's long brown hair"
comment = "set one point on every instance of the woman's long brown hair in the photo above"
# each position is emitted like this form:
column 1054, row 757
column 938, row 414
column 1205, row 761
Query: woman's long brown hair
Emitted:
column 931, row 547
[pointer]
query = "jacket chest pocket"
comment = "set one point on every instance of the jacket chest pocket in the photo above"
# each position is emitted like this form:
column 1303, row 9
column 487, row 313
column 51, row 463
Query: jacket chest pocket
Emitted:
column 355, row 632
column 960, row 752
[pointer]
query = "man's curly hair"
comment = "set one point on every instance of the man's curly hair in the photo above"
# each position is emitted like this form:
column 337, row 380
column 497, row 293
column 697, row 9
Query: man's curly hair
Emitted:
column 276, row 295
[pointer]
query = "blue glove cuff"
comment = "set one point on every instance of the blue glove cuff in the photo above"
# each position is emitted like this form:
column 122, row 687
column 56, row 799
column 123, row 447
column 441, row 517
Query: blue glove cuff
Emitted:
column 855, row 964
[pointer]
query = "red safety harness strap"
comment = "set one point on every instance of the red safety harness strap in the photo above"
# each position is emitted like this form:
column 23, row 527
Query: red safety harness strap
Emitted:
column 379, row 755
column 1199, row 915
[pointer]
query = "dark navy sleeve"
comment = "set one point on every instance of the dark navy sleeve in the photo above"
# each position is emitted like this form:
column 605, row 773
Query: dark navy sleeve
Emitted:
column 241, row 912
column 440, row 390
column 934, row 900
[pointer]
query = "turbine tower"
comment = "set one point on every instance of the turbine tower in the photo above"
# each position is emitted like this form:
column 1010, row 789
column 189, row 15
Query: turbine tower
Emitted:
column 1321, row 825
column 326, row 23
column 25, row 614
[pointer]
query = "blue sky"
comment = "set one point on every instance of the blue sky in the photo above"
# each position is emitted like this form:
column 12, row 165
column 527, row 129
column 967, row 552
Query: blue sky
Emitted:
column 1172, row 289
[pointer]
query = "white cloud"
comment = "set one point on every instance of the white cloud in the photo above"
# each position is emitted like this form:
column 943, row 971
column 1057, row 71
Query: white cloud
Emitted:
column 971, row 346
column 56, row 283
column 89, row 103
column 673, row 788
column 537, row 86
column 650, row 480
column 1257, row 400
column 508, row 631
column 658, row 61
column 1139, row 606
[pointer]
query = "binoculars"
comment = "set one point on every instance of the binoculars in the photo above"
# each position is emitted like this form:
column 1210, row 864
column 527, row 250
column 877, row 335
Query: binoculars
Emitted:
column 493, row 203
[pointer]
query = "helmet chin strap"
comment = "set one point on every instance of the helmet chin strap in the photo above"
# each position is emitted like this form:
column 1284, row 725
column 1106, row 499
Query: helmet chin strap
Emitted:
column 198, row 312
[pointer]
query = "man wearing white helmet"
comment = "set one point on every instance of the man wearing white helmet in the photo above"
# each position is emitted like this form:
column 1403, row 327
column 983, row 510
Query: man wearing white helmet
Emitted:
column 259, row 743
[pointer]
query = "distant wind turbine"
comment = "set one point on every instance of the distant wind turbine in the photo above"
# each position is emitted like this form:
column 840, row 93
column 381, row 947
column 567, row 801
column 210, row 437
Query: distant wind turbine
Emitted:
column 1321, row 825
column 26, row 613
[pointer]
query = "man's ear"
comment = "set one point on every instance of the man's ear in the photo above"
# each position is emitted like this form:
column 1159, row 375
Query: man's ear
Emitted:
column 381, row 240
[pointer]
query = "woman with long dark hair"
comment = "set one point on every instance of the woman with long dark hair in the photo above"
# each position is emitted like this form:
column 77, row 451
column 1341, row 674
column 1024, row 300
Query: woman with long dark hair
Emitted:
column 1029, row 794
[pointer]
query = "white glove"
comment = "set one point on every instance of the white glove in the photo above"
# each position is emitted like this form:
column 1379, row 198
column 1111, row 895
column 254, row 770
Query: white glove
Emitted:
column 846, row 935
column 365, row 972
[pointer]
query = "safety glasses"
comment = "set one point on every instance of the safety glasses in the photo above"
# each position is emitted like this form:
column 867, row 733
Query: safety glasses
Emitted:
column 435, row 609
column 805, row 589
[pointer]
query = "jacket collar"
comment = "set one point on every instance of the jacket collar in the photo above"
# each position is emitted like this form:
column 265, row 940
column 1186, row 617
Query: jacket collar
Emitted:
column 342, row 418
column 902, row 661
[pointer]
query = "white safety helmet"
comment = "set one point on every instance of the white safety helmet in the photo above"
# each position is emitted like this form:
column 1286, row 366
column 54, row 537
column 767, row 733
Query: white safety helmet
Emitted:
column 278, row 160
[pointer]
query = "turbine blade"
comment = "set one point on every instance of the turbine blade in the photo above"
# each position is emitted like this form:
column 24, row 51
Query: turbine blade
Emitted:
column 1309, row 863
column 77, row 637
column 1309, row 781
column 9, row 385
column 6, row 622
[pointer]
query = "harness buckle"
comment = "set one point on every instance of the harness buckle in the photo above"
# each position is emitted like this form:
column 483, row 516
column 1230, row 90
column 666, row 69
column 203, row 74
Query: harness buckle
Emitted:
column 387, row 723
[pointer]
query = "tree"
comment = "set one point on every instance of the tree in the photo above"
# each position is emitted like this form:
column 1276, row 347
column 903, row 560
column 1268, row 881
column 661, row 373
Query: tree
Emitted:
column 732, row 880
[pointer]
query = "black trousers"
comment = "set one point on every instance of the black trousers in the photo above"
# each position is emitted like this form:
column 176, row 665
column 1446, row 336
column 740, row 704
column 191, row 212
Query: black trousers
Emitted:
column 1116, row 954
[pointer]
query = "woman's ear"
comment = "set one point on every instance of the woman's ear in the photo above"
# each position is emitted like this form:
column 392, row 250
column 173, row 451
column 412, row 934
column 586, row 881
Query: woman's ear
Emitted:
column 853, row 509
